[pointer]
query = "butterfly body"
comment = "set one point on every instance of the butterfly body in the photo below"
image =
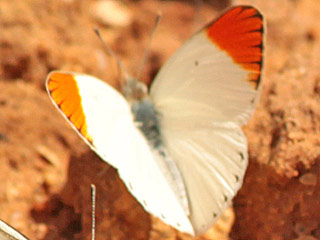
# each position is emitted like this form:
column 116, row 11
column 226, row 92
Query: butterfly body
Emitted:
column 180, row 149
column 147, row 119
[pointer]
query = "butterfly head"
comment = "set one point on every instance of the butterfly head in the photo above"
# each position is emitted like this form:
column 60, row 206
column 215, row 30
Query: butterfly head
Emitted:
column 134, row 90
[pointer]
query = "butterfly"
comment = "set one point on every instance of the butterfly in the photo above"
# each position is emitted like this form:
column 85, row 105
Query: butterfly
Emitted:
column 178, row 147
column 9, row 233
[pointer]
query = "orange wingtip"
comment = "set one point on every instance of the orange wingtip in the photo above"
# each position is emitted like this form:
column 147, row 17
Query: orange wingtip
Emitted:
column 64, row 91
column 239, row 32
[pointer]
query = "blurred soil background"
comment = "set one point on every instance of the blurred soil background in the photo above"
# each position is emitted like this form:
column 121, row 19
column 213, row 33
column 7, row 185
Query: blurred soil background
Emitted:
column 46, row 170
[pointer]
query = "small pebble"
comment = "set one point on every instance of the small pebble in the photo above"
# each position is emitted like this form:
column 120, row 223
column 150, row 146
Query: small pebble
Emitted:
column 111, row 13
column 308, row 179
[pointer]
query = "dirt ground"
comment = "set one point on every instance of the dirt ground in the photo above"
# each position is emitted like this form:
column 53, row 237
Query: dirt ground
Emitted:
column 46, row 170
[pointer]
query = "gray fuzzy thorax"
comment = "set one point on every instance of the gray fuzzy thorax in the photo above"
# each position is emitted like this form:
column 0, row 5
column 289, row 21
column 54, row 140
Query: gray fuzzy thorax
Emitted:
column 146, row 119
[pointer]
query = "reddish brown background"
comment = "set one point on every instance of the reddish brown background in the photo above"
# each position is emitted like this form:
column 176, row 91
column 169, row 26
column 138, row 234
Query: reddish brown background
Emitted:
column 46, row 170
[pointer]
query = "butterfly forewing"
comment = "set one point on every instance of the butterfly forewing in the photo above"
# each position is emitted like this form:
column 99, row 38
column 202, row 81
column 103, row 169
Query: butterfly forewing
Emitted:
column 218, row 69
column 97, row 111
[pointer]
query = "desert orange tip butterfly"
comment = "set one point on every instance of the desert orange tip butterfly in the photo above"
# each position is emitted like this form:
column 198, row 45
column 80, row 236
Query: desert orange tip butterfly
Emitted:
column 178, row 147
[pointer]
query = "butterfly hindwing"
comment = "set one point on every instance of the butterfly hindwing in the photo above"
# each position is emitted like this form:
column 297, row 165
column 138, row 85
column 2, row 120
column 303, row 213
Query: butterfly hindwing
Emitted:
column 212, row 163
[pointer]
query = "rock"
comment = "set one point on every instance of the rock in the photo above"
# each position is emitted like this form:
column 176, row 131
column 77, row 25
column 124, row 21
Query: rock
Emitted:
column 111, row 13
column 308, row 179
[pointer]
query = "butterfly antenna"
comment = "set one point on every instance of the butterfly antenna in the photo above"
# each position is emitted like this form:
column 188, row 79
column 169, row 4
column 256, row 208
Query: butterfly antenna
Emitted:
column 93, row 213
column 144, row 59
column 120, row 64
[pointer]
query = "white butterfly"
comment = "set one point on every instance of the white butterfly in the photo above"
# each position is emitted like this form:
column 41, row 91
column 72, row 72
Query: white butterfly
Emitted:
column 180, row 150
column 9, row 233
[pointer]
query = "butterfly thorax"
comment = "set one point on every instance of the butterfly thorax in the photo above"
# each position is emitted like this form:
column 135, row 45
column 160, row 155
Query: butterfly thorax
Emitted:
column 146, row 119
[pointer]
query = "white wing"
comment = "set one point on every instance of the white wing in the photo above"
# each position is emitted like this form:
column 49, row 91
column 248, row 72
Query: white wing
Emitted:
column 98, row 112
column 9, row 233
column 224, row 83
column 104, row 120
column 212, row 163
column 203, row 94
